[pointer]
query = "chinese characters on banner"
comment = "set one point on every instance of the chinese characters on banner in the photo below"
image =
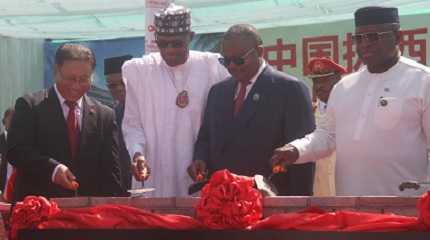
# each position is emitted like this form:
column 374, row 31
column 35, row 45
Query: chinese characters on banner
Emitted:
column 279, row 49
column 413, row 44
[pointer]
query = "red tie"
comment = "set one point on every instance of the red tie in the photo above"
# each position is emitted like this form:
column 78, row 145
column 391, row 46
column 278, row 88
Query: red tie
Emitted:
column 240, row 98
column 73, row 129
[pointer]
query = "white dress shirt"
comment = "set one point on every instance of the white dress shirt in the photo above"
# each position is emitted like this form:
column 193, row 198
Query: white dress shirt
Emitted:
column 379, row 125
column 65, row 108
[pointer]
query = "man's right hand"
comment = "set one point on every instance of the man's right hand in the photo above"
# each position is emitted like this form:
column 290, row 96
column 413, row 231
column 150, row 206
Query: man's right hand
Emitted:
column 65, row 178
column 140, row 168
column 287, row 154
column 197, row 170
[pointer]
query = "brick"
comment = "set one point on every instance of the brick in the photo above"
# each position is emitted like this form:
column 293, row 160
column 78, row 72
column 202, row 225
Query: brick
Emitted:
column 74, row 202
column 332, row 204
column 272, row 205
column 152, row 203
column 184, row 211
column 404, row 211
column 370, row 209
column 94, row 201
column 187, row 202
column 286, row 202
column 387, row 201
column 268, row 211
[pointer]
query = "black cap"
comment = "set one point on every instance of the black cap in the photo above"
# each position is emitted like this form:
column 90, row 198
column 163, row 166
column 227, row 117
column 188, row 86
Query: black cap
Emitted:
column 376, row 15
column 114, row 64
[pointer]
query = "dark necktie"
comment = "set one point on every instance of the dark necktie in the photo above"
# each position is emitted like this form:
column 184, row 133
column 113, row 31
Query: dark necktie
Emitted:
column 73, row 129
column 240, row 98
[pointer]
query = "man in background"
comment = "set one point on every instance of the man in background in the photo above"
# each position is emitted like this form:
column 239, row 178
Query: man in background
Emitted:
column 115, row 84
column 325, row 73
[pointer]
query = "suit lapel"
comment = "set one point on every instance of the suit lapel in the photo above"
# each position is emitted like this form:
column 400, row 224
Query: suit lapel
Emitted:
column 3, row 145
column 55, row 105
column 249, row 109
column 224, row 112
column 88, row 124
column 54, row 114
column 228, row 101
column 253, row 99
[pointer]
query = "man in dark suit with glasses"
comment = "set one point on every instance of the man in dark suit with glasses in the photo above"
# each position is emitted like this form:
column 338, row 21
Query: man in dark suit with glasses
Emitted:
column 251, row 114
column 61, row 142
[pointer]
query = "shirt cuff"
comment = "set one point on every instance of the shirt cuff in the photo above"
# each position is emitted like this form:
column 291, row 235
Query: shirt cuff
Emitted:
column 135, row 149
column 300, row 145
column 56, row 169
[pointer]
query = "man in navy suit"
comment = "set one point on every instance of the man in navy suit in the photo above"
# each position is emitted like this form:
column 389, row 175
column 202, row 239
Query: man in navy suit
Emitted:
column 252, row 113
column 59, row 135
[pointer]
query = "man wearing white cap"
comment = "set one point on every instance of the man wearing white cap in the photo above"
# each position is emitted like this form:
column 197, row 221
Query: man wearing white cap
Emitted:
column 166, row 93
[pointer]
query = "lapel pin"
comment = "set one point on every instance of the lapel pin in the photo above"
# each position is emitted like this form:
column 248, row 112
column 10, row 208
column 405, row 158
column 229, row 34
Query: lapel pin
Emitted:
column 383, row 102
column 256, row 97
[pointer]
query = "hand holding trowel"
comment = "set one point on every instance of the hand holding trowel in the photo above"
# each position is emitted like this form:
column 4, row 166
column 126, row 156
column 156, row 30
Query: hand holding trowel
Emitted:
column 199, row 174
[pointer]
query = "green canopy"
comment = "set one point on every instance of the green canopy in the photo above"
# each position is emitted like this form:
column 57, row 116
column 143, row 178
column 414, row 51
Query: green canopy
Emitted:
column 104, row 19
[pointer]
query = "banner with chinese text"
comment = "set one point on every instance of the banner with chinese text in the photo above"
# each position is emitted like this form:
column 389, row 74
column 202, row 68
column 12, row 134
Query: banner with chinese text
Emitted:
column 290, row 48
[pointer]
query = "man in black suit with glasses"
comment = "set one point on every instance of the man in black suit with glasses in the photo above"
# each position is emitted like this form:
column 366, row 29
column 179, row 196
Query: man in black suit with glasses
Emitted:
column 252, row 113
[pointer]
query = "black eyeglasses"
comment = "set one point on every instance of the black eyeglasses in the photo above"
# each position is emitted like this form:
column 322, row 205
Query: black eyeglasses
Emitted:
column 73, row 79
column 236, row 60
column 371, row 36
column 172, row 44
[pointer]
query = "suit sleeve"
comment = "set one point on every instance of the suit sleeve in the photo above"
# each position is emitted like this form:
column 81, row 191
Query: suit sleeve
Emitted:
column 202, row 145
column 299, row 120
column 299, row 115
column 111, row 184
column 22, row 150
column 3, row 162
column 322, row 142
